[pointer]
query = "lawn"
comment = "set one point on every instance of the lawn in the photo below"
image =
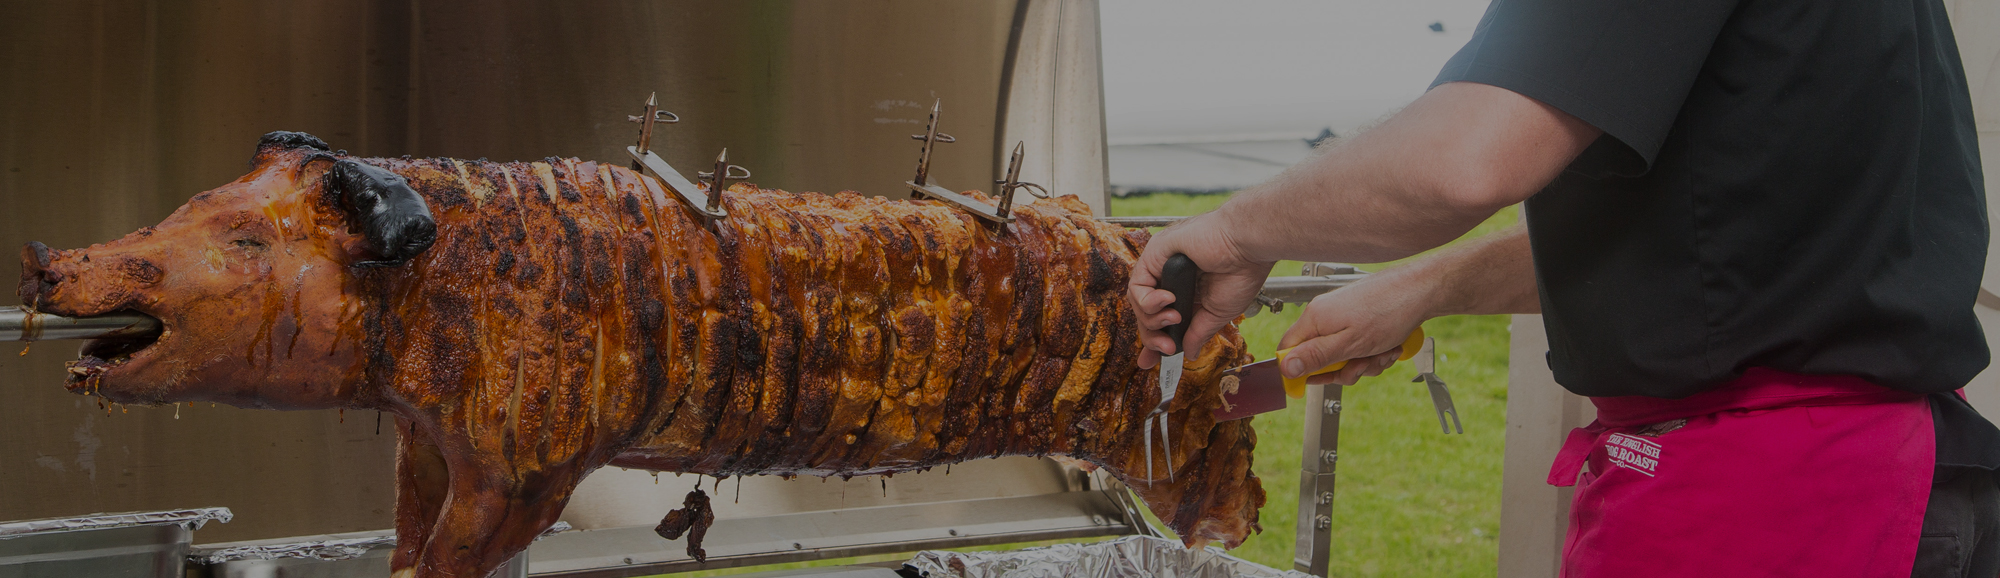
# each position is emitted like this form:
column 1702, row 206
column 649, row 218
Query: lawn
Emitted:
column 1411, row 501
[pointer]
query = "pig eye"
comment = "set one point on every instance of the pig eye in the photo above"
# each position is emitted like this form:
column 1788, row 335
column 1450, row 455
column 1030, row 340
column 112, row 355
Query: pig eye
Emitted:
column 249, row 243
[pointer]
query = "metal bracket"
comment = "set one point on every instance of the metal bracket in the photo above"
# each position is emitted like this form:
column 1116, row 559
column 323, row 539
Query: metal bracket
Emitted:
column 643, row 160
column 690, row 195
column 1320, row 455
column 921, row 187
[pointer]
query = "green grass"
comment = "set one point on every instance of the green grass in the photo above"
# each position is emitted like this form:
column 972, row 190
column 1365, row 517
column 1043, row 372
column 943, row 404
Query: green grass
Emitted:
column 1411, row 501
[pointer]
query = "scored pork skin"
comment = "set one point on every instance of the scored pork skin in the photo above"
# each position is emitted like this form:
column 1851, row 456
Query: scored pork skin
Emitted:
column 571, row 316
column 815, row 334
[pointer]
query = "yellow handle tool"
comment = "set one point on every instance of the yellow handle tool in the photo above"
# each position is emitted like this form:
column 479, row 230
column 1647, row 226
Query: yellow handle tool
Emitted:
column 1295, row 387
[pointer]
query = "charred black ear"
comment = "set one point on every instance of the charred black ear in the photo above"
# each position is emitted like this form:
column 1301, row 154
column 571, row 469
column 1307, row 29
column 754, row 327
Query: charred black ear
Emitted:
column 390, row 215
column 284, row 140
column 291, row 140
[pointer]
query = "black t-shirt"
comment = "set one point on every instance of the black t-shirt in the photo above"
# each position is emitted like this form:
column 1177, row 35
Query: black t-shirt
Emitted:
column 1790, row 184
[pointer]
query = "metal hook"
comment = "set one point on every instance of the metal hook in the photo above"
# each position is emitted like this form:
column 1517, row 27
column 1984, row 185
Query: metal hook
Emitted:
column 733, row 175
column 659, row 116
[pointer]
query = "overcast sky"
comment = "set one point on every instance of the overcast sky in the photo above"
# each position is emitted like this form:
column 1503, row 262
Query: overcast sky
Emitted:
column 1179, row 70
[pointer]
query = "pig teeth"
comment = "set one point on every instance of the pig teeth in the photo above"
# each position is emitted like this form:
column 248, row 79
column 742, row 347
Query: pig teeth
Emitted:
column 86, row 367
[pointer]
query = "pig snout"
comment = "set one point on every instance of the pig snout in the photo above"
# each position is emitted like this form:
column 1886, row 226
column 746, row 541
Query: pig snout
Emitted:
column 70, row 283
column 37, row 278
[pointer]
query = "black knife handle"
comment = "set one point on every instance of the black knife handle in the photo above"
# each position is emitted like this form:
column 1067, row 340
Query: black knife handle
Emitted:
column 1179, row 277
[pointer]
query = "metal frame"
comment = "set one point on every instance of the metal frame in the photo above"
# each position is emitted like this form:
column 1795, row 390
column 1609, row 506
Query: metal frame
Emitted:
column 1316, row 476
column 1099, row 508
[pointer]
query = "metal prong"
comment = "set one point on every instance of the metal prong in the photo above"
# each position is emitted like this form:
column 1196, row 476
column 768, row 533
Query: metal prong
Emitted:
column 1007, row 186
column 1149, row 452
column 1167, row 444
column 1440, row 400
column 645, row 129
column 930, row 137
column 1454, row 419
column 1440, row 394
column 1426, row 362
column 718, row 179
column 1013, row 179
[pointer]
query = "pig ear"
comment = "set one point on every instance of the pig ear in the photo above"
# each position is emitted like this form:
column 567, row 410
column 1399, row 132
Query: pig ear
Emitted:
column 284, row 140
column 392, row 217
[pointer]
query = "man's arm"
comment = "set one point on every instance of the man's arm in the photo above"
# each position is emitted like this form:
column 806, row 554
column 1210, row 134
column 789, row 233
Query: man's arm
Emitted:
column 1492, row 275
column 1422, row 178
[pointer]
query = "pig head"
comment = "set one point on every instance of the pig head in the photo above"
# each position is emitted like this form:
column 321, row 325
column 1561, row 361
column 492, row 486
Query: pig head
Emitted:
column 255, row 284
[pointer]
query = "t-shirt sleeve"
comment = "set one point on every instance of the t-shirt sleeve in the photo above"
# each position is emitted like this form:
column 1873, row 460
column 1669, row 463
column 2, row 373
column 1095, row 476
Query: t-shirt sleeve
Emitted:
column 1624, row 66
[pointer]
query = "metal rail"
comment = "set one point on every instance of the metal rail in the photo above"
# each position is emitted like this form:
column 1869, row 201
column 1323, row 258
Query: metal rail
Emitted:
column 1136, row 222
column 19, row 324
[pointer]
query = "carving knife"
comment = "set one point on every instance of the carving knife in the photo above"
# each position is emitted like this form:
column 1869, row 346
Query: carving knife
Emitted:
column 1260, row 387
column 1178, row 277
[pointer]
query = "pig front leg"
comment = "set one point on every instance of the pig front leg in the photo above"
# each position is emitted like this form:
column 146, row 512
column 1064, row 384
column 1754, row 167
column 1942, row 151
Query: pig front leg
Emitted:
column 421, row 481
column 489, row 513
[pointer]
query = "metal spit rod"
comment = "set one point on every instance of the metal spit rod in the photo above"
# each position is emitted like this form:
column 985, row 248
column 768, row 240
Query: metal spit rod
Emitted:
column 19, row 324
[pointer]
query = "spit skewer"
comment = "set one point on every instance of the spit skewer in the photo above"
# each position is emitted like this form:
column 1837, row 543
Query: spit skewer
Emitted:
column 19, row 324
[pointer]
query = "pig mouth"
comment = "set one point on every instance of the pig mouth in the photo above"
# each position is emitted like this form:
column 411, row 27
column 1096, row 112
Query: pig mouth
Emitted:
column 99, row 356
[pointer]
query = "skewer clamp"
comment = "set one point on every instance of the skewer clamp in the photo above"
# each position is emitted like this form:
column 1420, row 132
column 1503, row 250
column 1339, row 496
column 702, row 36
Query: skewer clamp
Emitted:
column 921, row 187
column 708, row 203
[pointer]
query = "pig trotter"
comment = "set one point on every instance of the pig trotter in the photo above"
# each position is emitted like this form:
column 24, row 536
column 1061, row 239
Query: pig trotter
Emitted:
column 694, row 517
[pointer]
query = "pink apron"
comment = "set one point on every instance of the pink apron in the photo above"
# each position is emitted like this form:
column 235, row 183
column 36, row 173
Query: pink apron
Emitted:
column 1774, row 474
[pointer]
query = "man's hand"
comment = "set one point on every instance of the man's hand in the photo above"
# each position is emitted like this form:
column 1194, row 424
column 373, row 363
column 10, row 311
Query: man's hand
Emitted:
column 1369, row 320
column 1366, row 322
column 1228, row 285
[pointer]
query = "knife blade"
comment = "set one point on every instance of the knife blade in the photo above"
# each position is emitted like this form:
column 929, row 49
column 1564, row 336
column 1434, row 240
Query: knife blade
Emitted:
column 1178, row 277
column 1260, row 387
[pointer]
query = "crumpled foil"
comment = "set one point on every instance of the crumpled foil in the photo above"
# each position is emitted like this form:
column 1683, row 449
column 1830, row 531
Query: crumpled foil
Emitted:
column 193, row 519
column 1128, row 557
column 332, row 549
